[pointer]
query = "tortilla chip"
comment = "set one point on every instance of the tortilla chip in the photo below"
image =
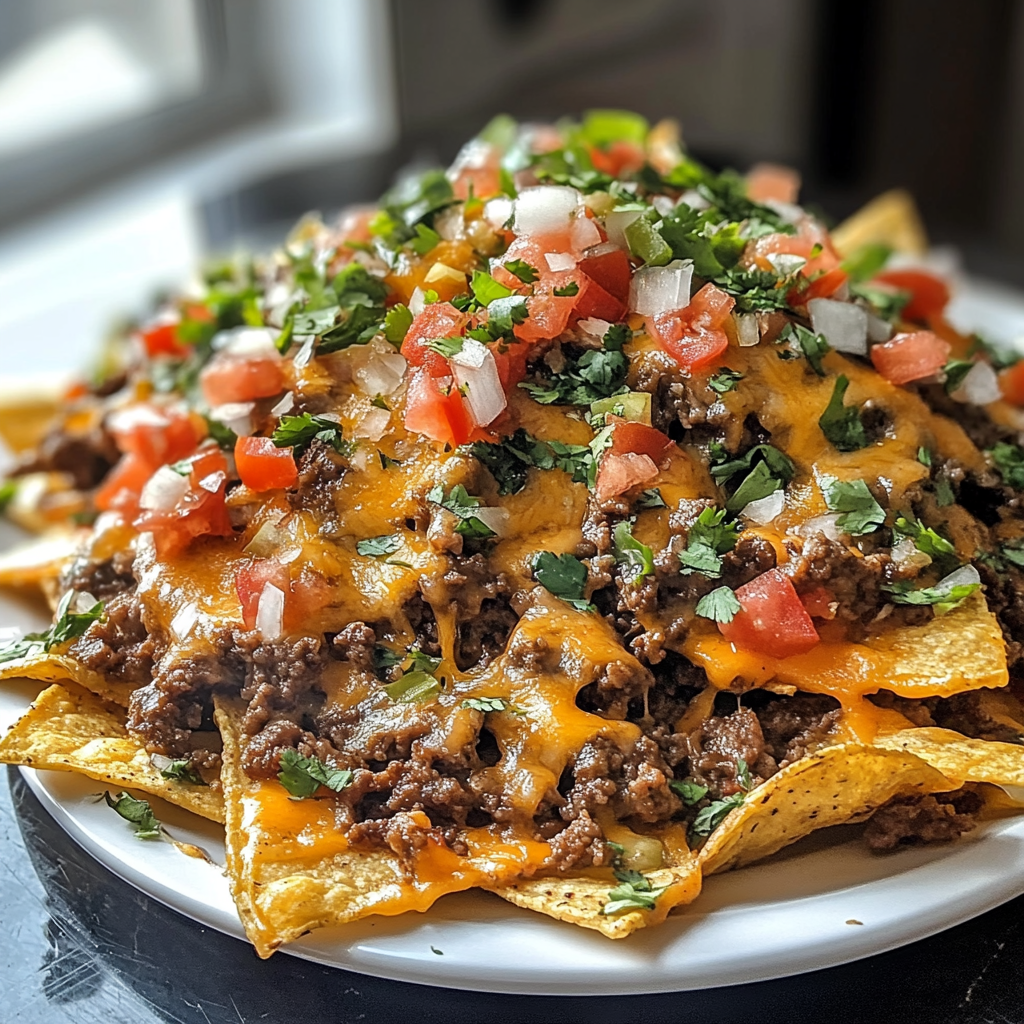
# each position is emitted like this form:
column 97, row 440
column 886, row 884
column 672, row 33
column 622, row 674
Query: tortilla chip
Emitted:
column 36, row 562
column 27, row 414
column 830, row 787
column 56, row 668
column 73, row 730
column 580, row 900
column 889, row 219
column 960, row 757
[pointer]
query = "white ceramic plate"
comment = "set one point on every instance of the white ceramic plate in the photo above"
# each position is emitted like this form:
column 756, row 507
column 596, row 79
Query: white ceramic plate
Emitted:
column 824, row 902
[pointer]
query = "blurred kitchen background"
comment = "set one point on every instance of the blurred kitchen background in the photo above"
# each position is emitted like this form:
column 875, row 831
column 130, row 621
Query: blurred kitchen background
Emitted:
column 136, row 135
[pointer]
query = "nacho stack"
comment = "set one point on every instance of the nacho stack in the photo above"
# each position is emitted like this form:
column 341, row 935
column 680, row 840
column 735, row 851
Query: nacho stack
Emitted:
column 574, row 524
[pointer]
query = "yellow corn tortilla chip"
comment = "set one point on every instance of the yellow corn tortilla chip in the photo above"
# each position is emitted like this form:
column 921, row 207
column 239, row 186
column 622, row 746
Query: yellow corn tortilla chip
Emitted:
column 889, row 219
column 25, row 416
column 832, row 786
column 56, row 668
column 960, row 757
column 73, row 730
column 37, row 561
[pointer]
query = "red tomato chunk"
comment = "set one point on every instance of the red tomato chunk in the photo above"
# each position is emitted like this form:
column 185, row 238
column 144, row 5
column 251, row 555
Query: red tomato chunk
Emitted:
column 262, row 466
column 910, row 357
column 772, row 620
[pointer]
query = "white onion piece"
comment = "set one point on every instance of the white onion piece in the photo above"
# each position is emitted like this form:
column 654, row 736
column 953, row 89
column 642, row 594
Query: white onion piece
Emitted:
column 213, row 482
column 663, row 205
column 235, row 415
column 980, row 386
column 764, row 510
column 789, row 212
column 694, row 200
column 584, row 233
column 81, row 603
column 844, row 325
column 184, row 620
column 476, row 369
column 655, row 290
column 284, row 406
column 965, row 576
column 373, row 424
column 497, row 211
column 907, row 555
column 786, row 263
column 163, row 490
column 380, row 374
column 449, row 223
column 878, row 329
column 616, row 223
column 268, row 540
column 304, row 356
column 595, row 327
column 603, row 248
column 544, row 209
column 127, row 419
column 747, row 332
column 416, row 301
column 825, row 525
column 248, row 343
column 160, row 761
column 496, row 519
column 560, row 261
column 270, row 612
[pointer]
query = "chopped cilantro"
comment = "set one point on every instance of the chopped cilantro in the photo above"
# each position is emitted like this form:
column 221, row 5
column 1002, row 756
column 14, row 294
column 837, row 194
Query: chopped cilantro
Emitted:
column 522, row 270
column 386, row 462
column 461, row 504
column 564, row 576
column 489, row 705
column 138, row 812
column 701, row 236
column 710, row 817
column 566, row 291
column 1009, row 460
column 688, row 791
column 634, row 892
column 636, row 558
column 861, row 513
column 866, row 261
column 944, row 495
column 888, row 302
column 378, row 402
column 425, row 240
column 924, row 456
column 303, row 776
column 603, row 127
column 589, row 376
column 765, row 470
column 378, row 547
column 8, row 489
column 297, row 432
column 709, row 538
column 943, row 597
column 925, row 538
column 67, row 626
column 955, row 371
column 999, row 357
column 486, row 289
column 813, row 346
column 842, row 424
column 446, row 347
column 224, row 436
column 1013, row 552
column 651, row 498
column 721, row 605
column 397, row 322
column 509, row 459
column 182, row 771
column 725, row 380
column 753, row 290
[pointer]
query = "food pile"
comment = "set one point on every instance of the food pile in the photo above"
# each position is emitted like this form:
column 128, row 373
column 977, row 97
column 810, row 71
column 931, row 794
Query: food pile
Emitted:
column 574, row 524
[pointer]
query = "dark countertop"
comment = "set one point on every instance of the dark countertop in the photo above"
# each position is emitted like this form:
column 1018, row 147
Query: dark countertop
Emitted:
column 81, row 946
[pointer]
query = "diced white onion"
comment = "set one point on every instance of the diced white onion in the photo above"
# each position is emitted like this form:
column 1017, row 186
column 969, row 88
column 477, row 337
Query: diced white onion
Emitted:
column 163, row 490
column 184, row 620
column 304, row 356
column 476, row 370
column 127, row 419
column 496, row 519
column 247, row 343
column 594, row 326
column 583, row 233
column 603, row 248
column 235, row 415
column 81, row 603
column 965, row 576
column 497, row 211
column 747, row 332
column 160, row 761
column 373, row 424
column 270, row 612
column 616, row 223
column 268, row 540
column 416, row 301
column 655, row 290
column 786, row 263
column 825, row 525
column 449, row 223
column 844, row 325
column 213, row 482
column 663, row 205
column 544, row 209
column 284, row 406
column 907, row 555
column 694, row 200
column 764, row 510
column 380, row 373
column 559, row 260
column 878, row 329
column 789, row 212
column 980, row 386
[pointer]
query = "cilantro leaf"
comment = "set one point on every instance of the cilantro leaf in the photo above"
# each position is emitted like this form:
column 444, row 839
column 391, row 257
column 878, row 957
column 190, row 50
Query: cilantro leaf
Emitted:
column 812, row 346
column 425, row 240
column 636, row 558
column 1013, row 552
column 944, row 495
column 888, row 302
column 566, row 291
column 721, row 605
column 508, row 460
column 67, row 626
column 1009, row 460
column 709, row 538
column 710, row 817
column 861, row 513
column 564, row 576
column 688, row 791
column 446, row 347
column 461, row 504
column 925, row 538
column 8, row 489
column 955, row 371
column 137, row 812
column 842, row 424
column 489, row 704
column 943, row 597
column 866, row 261
column 303, row 776
column 378, row 547
column 765, row 470
column 486, row 289
column 999, row 357
column 397, row 322
column 588, row 376
column 297, row 432
column 924, row 457
column 634, row 892
column 182, row 771
column 753, row 290
column 725, row 380
column 386, row 462
column 522, row 270
column 651, row 498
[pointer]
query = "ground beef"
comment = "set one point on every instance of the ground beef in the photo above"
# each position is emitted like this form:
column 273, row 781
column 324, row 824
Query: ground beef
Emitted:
column 320, row 471
column 679, row 401
column 752, row 556
column 579, row 844
column 483, row 637
column 982, row 714
column 355, row 644
column 119, row 647
column 86, row 457
column 617, row 685
column 794, row 727
column 724, row 739
column 923, row 819
column 917, row 710
column 976, row 423
column 1004, row 594
column 424, row 625
column 102, row 579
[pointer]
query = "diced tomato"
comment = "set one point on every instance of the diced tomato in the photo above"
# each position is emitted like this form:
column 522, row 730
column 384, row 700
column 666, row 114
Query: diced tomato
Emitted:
column 618, row 473
column 1011, row 381
column 617, row 158
column 123, row 484
column 820, row 288
column 438, row 320
column 157, row 434
column 262, row 466
column 812, row 243
column 227, row 379
column 438, row 414
column 929, row 295
column 638, row 438
column 477, row 167
column 910, row 357
column 530, row 251
column 771, row 620
column 595, row 301
column 250, row 579
column 773, row 181
column 201, row 512
column 307, row 595
column 693, row 335
column 819, row 603
column 611, row 270
column 511, row 364
column 161, row 339
column 549, row 313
